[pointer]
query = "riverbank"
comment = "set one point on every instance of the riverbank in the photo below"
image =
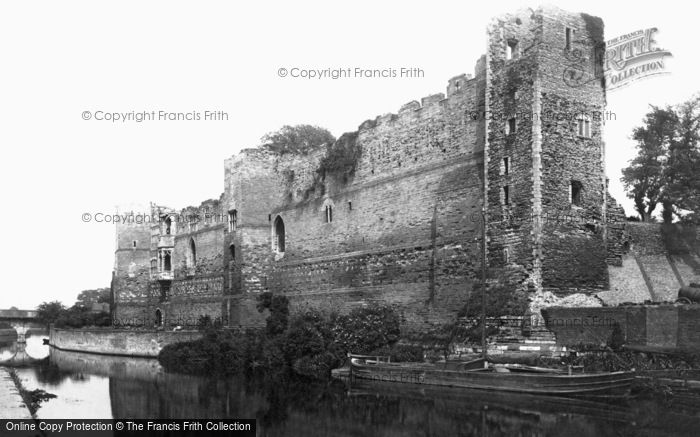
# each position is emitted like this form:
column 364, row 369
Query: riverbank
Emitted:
column 12, row 405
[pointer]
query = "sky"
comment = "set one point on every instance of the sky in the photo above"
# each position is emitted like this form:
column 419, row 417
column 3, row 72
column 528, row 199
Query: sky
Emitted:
column 61, row 59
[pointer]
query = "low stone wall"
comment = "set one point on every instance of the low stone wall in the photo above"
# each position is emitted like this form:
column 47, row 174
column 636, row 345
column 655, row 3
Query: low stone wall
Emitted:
column 670, row 327
column 117, row 342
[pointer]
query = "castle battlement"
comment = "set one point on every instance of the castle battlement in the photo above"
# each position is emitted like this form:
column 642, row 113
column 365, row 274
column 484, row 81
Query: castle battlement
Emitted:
column 400, row 222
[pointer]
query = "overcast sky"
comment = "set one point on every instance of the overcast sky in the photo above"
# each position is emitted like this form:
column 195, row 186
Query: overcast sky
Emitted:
column 59, row 59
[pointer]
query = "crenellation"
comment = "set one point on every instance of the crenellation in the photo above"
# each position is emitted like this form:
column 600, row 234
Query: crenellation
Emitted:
column 403, row 226
column 411, row 106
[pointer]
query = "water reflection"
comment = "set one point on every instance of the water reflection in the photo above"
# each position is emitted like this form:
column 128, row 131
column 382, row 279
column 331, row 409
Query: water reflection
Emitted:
column 13, row 354
column 97, row 386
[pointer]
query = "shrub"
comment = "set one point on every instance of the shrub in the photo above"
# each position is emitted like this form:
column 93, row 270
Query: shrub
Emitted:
column 316, row 366
column 278, row 305
column 341, row 157
column 401, row 353
column 366, row 329
column 306, row 344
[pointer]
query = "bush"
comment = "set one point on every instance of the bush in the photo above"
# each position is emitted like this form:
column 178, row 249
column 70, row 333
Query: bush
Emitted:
column 278, row 305
column 366, row 329
column 341, row 157
column 400, row 353
column 306, row 344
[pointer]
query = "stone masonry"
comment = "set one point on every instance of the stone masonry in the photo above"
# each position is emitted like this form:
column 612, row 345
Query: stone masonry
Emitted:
column 520, row 139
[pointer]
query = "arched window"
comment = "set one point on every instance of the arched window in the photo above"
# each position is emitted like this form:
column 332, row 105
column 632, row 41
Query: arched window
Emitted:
column 326, row 210
column 232, row 250
column 232, row 220
column 191, row 255
column 159, row 317
column 168, row 225
column 278, row 240
column 167, row 264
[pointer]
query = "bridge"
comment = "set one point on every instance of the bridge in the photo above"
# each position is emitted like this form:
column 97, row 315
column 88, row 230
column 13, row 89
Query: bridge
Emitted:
column 21, row 321
column 18, row 356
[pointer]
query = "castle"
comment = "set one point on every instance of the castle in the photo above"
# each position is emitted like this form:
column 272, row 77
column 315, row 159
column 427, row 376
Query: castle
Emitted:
column 400, row 221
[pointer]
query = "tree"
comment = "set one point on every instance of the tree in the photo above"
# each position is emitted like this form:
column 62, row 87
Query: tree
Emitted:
column 87, row 298
column 301, row 138
column 79, row 316
column 683, row 169
column 49, row 312
column 644, row 178
column 665, row 169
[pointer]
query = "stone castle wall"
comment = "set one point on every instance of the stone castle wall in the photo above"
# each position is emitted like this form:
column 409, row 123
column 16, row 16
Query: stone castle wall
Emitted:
column 404, row 225
column 198, row 290
column 406, row 222
column 193, row 287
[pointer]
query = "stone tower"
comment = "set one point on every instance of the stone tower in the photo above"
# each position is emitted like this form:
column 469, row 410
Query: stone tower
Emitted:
column 132, row 260
column 544, row 153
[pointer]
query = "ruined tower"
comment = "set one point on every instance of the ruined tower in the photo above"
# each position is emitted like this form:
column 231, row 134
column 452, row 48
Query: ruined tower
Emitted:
column 132, row 260
column 544, row 152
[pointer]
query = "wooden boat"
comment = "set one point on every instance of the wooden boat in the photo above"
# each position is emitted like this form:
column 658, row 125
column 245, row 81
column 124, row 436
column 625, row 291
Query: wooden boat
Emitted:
column 493, row 377
column 478, row 374
column 461, row 401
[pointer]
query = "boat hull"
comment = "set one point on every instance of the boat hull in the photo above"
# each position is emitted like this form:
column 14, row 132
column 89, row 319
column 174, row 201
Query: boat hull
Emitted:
column 518, row 382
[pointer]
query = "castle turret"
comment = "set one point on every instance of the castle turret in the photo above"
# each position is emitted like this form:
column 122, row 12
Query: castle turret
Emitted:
column 132, row 262
column 544, row 150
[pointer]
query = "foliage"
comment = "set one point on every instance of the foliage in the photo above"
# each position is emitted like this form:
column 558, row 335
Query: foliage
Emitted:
column 401, row 353
column 89, row 297
column 278, row 305
column 48, row 312
column 305, row 344
column 665, row 168
column 79, row 316
column 301, row 138
column 341, row 157
column 366, row 329
column 340, row 160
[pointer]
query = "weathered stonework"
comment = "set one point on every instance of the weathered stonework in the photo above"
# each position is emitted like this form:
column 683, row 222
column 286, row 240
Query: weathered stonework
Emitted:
column 517, row 140
column 178, row 267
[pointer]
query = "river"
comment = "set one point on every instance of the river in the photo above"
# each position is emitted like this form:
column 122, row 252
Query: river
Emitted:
column 99, row 386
